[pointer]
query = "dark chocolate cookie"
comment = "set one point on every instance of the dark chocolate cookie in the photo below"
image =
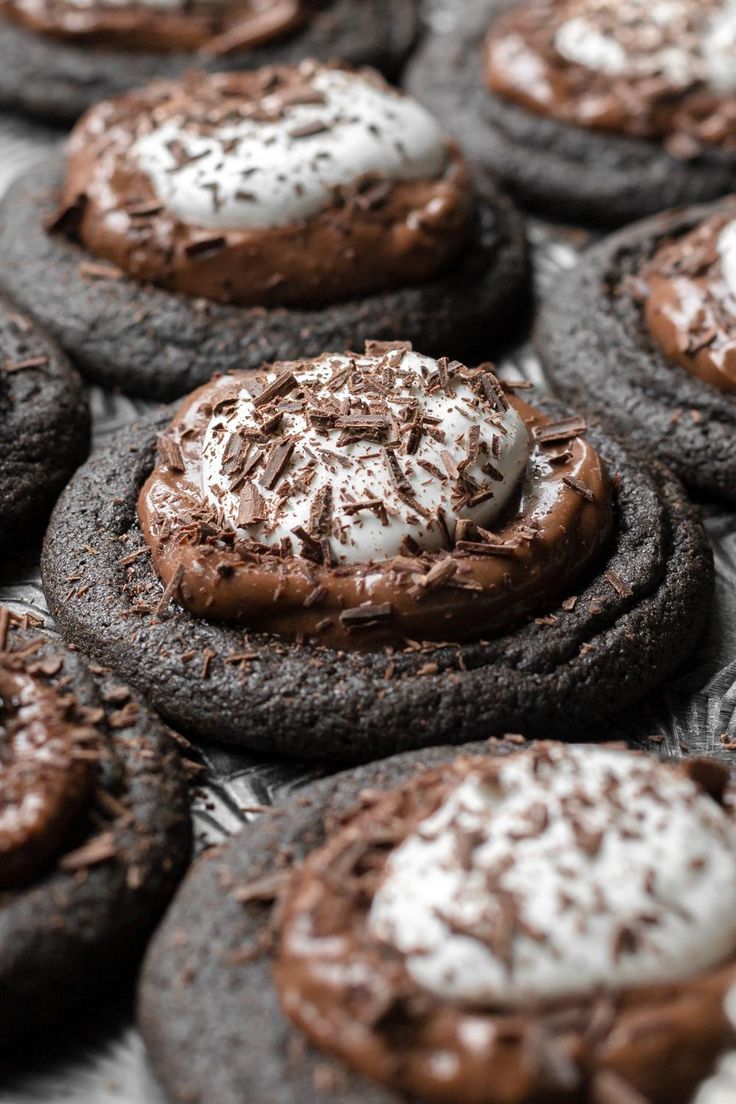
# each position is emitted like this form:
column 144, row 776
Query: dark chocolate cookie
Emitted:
column 565, row 172
column 205, row 987
column 595, row 345
column 558, row 675
column 80, row 921
column 57, row 80
column 44, row 426
column 149, row 341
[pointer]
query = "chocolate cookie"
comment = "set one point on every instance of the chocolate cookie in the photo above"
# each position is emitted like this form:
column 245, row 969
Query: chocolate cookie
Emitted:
column 593, row 338
column 225, row 964
column 153, row 342
column 608, row 643
column 55, row 79
column 95, row 830
column 44, row 426
column 564, row 171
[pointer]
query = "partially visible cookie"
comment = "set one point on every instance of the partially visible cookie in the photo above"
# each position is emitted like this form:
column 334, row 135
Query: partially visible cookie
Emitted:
column 640, row 335
column 58, row 77
column 604, row 157
column 44, row 426
column 511, row 926
column 94, row 828
column 220, row 221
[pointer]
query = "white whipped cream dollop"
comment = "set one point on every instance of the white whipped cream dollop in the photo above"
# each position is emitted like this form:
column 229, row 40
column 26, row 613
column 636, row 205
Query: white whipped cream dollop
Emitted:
column 578, row 868
column 251, row 173
column 379, row 491
column 685, row 41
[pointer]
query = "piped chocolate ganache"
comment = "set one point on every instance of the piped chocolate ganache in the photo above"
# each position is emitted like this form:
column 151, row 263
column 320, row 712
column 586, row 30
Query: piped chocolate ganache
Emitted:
column 364, row 500
column 559, row 925
column 216, row 26
column 689, row 292
column 47, row 768
column 286, row 186
column 663, row 70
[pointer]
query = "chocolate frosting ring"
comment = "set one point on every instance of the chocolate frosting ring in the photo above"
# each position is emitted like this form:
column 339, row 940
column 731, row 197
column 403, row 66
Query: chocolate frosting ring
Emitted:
column 558, row 677
column 44, row 425
column 203, row 976
column 57, row 80
column 63, row 936
column 612, row 367
column 160, row 344
column 567, row 172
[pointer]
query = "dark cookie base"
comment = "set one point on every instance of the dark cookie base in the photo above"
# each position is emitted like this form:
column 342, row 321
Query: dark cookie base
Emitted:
column 600, row 357
column 564, row 172
column 44, row 428
column 555, row 679
column 212, row 1020
column 56, row 80
column 159, row 344
column 69, row 935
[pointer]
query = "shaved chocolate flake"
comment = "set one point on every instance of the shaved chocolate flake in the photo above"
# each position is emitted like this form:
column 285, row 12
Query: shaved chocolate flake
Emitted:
column 205, row 245
column 620, row 585
column 402, row 485
column 170, row 452
column 264, row 889
column 282, row 385
column 320, row 512
column 252, row 506
column 170, row 590
column 555, row 432
column 276, row 464
column 450, row 466
column 381, row 348
column 363, row 616
column 579, row 487
column 23, row 365
column 493, row 392
column 96, row 270
column 308, row 130
column 97, row 850
column 487, row 548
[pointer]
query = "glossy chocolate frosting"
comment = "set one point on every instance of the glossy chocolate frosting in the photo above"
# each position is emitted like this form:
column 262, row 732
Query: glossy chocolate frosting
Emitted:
column 47, row 755
column 286, row 186
column 353, row 993
column 660, row 70
column 689, row 295
column 451, row 579
column 211, row 26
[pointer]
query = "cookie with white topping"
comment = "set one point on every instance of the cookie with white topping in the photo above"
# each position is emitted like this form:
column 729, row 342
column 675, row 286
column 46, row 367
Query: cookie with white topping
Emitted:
column 355, row 554
column 642, row 334
column 512, row 926
column 212, row 223
column 595, row 111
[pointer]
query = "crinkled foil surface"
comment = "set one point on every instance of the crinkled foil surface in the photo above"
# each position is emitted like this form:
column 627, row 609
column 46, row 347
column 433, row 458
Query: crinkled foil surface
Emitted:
column 102, row 1061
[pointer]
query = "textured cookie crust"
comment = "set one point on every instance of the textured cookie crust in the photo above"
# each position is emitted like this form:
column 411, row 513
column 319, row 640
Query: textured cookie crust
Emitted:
column 556, row 676
column 57, row 80
column 157, row 343
column 598, row 352
column 44, row 426
column 210, row 1017
column 564, row 172
column 71, row 933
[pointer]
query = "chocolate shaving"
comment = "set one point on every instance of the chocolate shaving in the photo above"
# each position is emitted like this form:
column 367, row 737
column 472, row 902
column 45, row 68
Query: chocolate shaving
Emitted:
column 282, row 385
column 579, row 487
column 565, row 430
column 276, row 464
column 362, row 616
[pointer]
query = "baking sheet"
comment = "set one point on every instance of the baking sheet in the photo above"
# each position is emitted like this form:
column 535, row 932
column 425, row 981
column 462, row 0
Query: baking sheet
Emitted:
column 102, row 1061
